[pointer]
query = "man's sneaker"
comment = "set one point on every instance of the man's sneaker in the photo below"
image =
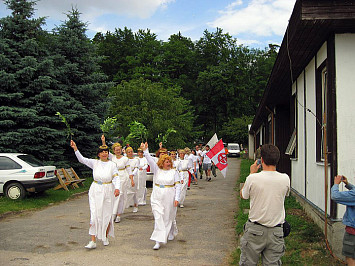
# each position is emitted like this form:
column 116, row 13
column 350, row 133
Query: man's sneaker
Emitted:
column 181, row 205
column 135, row 209
column 91, row 245
column 118, row 219
column 209, row 179
column 156, row 246
column 106, row 243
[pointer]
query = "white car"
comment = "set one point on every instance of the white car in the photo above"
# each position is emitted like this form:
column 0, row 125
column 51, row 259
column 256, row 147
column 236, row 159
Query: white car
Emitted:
column 21, row 173
column 233, row 149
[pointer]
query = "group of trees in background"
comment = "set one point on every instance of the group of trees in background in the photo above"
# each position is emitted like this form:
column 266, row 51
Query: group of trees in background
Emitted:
column 193, row 88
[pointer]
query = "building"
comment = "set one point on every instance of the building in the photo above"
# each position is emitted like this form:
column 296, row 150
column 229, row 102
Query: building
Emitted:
column 310, row 89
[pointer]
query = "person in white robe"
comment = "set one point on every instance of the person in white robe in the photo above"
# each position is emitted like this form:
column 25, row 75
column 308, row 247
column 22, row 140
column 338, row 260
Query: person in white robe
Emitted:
column 164, row 199
column 184, row 169
column 102, row 193
column 190, row 157
column 142, row 178
column 196, row 163
column 125, row 175
column 132, row 199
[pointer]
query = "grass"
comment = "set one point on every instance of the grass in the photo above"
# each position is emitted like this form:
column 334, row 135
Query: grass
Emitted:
column 304, row 246
column 37, row 201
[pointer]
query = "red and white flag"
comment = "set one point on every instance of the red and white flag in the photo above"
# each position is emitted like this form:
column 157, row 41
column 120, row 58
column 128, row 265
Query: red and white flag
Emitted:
column 219, row 157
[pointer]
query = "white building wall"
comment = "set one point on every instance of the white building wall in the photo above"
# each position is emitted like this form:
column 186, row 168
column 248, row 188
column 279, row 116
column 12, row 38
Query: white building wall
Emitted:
column 298, row 164
column 345, row 97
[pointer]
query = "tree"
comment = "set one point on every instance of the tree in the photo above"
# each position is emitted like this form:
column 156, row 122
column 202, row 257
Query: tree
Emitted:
column 27, row 85
column 156, row 106
column 80, row 82
column 236, row 130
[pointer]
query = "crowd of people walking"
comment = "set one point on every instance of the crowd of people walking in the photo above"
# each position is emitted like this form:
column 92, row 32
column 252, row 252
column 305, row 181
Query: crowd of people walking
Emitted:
column 120, row 183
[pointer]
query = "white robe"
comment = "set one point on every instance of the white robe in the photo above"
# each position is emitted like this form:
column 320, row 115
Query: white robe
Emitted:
column 184, row 176
column 101, row 196
column 142, row 179
column 124, row 171
column 162, row 200
column 132, row 191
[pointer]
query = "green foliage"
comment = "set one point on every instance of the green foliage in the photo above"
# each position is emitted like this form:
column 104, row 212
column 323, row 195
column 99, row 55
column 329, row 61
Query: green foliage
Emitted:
column 137, row 131
column 64, row 120
column 236, row 130
column 43, row 74
column 108, row 125
column 157, row 106
column 222, row 81
column 163, row 138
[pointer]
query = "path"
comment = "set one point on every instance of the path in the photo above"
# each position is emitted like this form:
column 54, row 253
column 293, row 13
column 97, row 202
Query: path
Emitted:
column 56, row 235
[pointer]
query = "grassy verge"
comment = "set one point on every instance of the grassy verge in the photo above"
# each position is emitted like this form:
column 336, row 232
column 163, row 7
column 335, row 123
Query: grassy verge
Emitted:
column 304, row 246
column 37, row 201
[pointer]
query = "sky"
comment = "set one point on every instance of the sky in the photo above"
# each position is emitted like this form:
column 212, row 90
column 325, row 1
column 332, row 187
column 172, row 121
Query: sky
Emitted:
column 254, row 23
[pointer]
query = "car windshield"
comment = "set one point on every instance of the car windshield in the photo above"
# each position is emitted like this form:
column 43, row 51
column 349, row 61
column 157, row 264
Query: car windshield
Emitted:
column 233, row 147
column 31, row 160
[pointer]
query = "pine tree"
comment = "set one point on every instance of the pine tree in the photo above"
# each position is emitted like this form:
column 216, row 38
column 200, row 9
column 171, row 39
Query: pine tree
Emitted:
column 81, row 82
column 26, row 85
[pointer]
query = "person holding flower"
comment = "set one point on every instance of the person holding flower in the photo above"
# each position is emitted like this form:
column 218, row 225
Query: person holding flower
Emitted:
column 102, row 193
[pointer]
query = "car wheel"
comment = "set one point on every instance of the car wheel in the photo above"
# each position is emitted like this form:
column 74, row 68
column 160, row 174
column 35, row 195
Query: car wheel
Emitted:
column 15, row 191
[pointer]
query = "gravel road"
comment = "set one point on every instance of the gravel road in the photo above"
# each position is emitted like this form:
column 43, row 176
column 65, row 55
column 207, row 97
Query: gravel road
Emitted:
column 57, row 234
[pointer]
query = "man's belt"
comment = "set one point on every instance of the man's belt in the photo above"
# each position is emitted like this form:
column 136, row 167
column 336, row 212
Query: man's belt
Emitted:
column 102, row 183
column 278, row 225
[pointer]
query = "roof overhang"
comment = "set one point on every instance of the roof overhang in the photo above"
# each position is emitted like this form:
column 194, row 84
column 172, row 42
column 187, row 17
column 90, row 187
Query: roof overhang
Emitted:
column 312, row 22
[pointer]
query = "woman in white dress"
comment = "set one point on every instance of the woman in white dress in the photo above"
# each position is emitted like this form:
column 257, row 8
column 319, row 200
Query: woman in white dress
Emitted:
column 132, row 190
column 164, row 199
column 142, row 178
column 184, row 176
column 102, row 193
column 125, row 175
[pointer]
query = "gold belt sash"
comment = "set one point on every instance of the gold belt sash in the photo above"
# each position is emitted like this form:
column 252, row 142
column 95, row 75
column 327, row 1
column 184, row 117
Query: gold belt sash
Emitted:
column 102, row 183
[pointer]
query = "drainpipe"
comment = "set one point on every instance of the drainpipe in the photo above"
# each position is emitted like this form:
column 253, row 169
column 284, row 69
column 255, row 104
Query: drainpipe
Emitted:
column 272, row 125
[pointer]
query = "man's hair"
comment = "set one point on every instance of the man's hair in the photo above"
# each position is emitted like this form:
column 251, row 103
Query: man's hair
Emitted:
column 270, row 154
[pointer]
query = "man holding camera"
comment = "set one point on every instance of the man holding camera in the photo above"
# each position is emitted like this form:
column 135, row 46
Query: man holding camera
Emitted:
column 346, row 198
column 263, row 232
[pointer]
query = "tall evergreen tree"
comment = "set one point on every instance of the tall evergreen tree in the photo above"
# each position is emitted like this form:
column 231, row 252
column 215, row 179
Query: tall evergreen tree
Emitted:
column 26, row 85
column 84, row 88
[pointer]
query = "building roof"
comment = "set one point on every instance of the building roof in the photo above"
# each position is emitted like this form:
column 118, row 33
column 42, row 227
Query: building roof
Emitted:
column 310, row 25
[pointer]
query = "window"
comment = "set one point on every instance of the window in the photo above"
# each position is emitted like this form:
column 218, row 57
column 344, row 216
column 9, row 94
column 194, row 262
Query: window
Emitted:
column 322, row 103
column 7, row 164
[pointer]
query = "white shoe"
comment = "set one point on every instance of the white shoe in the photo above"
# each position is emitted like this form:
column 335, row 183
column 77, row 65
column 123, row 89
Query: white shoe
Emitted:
column 181, row 205
column 171, row 237
column 118, row 219
column 106, row 243
column 135, row 209
column 91, row 245
column 156, row 246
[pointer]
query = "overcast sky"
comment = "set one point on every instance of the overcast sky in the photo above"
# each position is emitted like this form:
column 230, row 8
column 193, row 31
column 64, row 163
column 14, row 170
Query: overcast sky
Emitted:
column 255, row 23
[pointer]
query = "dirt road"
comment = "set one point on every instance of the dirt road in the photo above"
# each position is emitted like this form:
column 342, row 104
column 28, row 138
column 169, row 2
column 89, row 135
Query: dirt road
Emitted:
column 56, row 235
